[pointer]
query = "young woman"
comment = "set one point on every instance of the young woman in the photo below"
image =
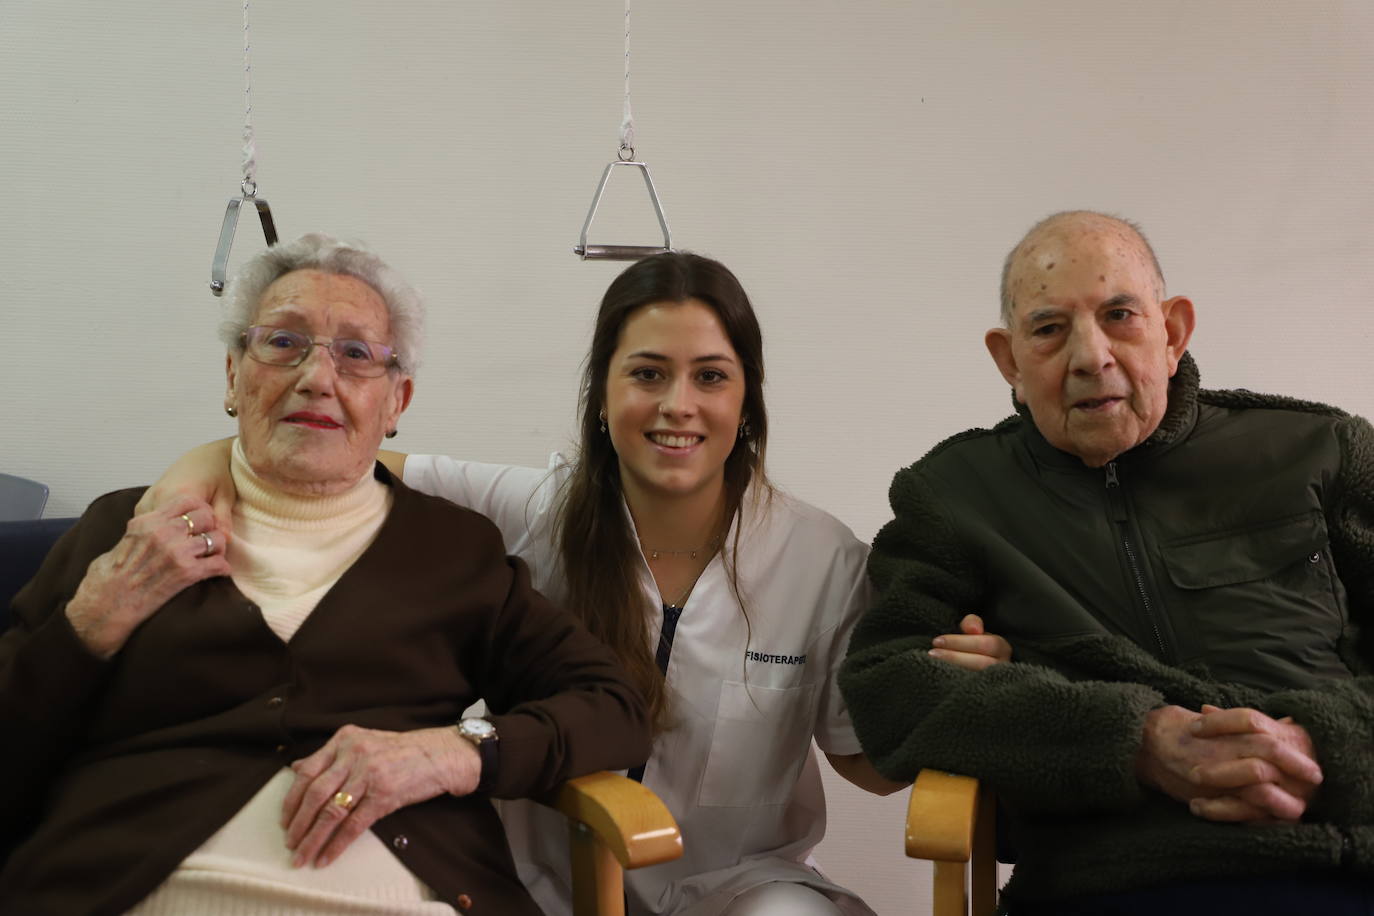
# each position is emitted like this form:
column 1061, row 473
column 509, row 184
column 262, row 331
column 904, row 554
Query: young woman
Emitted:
column 729, row 603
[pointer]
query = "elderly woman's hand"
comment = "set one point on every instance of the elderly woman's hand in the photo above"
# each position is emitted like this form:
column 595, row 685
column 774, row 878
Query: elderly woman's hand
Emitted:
column 361, row 776
column 203, row 473
column 971, row 648
column 161, row 553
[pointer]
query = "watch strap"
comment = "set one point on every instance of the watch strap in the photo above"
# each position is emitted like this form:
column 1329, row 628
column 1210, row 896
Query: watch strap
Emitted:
column 487, row 752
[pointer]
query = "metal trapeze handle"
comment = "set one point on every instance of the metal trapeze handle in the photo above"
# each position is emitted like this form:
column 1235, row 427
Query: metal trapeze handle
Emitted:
column 220, row 266
column 623, row 252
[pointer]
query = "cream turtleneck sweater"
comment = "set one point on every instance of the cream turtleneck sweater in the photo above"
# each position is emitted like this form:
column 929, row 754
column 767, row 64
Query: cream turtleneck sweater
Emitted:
column 287, row 550
column 286, row 553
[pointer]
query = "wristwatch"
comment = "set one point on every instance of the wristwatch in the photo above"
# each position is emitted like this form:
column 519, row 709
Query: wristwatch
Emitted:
column 482, row 733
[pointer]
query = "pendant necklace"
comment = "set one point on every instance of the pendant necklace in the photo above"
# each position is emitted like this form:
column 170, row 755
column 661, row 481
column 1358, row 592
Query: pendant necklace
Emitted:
column 686, row 551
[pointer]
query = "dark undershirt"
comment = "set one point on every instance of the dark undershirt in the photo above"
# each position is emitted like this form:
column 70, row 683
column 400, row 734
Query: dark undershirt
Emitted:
column 671, row 614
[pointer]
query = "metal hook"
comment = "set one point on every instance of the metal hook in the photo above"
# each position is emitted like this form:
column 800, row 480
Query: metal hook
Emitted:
column 623, row 252
column 220, row 266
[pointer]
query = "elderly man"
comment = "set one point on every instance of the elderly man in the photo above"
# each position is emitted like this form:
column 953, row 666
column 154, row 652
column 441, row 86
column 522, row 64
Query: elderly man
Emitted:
column 1183, row 572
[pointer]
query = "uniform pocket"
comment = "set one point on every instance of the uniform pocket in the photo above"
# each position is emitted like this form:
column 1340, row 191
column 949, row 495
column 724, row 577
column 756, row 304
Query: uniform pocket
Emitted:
column 759, row 744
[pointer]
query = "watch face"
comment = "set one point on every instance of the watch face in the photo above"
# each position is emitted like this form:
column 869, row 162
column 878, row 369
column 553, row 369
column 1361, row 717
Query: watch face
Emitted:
column 478, row 728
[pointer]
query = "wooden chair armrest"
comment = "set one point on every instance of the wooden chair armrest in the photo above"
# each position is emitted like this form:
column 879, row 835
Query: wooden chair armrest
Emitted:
column 950, row 820
column 940, row 817
column 629, row 819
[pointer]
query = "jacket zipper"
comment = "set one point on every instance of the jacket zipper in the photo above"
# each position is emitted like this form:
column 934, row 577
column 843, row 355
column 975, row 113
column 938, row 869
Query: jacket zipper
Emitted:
column 1119, row 515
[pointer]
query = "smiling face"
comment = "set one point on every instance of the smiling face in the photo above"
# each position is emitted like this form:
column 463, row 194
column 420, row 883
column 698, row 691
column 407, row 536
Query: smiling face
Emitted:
column 674, row 395
column 1090, row 348
column 306, row 428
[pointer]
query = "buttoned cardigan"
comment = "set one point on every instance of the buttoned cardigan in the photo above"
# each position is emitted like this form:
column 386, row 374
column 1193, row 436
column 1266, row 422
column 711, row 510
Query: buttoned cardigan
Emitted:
column 113, row 771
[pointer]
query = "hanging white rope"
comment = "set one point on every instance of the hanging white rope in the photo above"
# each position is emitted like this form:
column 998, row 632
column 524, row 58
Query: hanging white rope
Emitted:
column 625, row 159
column 219, row 267
column 627, row 123
column 250, row 147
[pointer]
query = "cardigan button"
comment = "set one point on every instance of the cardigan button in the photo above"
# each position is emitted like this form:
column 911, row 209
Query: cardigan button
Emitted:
column 1315, row 558
column 400, row 841
column 464, row 902
column 275, row 702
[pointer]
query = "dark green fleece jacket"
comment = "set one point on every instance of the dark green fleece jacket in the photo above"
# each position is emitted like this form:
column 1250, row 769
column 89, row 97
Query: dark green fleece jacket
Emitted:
column 1229, row 559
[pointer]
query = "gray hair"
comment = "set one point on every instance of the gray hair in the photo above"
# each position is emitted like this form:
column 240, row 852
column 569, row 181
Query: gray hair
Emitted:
column 1048, row 223
column 317, row 251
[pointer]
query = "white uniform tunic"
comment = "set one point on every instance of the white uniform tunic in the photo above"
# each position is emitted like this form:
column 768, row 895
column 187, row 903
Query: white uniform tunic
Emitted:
column 736, row 767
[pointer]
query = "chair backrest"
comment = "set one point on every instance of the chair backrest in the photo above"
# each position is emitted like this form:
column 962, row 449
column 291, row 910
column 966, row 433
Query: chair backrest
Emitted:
column 21, row 498
column 23, row 545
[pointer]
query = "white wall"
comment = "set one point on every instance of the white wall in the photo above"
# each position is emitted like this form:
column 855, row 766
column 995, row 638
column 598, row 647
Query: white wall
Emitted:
column 863, row 166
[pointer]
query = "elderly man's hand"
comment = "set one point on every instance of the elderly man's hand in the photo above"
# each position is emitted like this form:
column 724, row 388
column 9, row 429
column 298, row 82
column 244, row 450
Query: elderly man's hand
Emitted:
column 1253, row 786
column 161, row 553
column 971, row 648
column 362, row 775
column 1229, row 765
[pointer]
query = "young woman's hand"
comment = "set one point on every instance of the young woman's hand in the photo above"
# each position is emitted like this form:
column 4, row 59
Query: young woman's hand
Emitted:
column 202, row 473
column 971, row 647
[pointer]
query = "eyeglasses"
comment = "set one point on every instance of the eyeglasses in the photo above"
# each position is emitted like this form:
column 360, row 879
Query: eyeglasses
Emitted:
column 280, row 347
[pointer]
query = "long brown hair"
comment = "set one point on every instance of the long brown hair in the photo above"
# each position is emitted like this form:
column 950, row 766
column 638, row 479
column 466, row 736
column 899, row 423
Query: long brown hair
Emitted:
column 595, row 540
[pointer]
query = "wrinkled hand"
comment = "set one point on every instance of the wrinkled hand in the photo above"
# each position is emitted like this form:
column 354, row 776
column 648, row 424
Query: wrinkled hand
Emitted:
column 1253, row 786
column 974, row 649
column 379, row 772
column 203, row 474
column 158, row 556
column 1229, row 764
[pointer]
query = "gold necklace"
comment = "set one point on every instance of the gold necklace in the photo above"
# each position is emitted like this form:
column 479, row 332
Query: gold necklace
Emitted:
column 681, row 602
column 684, row 552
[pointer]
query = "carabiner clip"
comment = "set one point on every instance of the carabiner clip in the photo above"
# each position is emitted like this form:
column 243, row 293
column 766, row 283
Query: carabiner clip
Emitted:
column 623, row 252
column 220, row 266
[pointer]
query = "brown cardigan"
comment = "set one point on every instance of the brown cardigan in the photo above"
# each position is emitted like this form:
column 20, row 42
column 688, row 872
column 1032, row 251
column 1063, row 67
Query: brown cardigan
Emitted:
column 113, row 772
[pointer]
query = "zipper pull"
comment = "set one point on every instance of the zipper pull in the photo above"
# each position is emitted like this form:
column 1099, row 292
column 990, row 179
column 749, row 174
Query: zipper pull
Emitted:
column 1114, row 497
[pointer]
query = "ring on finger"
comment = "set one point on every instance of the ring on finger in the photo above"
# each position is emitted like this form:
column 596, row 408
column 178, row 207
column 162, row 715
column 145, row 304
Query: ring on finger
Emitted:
column 190, row 525
column 343, row 799
column 209, row 543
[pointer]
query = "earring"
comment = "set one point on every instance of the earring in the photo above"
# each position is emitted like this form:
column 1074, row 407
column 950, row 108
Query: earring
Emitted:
column 391, row 434
column 602, row 417
column 744, row 429
column 231, row 411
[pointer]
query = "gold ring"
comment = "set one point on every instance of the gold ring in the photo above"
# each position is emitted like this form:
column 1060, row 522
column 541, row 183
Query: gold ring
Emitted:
column 190, row 525
column 344, row 800
column 209, row 543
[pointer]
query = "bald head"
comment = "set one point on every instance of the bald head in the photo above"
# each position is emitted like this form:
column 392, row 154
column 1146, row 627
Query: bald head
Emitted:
column 1065, row 229
column 1088, row 343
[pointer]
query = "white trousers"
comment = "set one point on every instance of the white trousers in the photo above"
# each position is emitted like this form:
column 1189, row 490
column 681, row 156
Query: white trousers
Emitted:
column 781, row 898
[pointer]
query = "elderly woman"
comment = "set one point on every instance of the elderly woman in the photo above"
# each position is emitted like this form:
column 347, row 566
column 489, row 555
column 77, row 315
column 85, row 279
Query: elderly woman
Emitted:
column 275, row 727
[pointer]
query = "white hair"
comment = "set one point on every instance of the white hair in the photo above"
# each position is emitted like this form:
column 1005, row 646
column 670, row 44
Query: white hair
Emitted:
column 317, row 251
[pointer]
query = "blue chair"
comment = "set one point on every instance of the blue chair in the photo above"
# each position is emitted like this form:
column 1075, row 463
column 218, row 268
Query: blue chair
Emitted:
column 23, row 545
column 21, row 498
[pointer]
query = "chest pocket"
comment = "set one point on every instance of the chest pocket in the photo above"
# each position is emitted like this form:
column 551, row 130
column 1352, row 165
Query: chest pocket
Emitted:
column 760, row 742
column 1263, row 602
